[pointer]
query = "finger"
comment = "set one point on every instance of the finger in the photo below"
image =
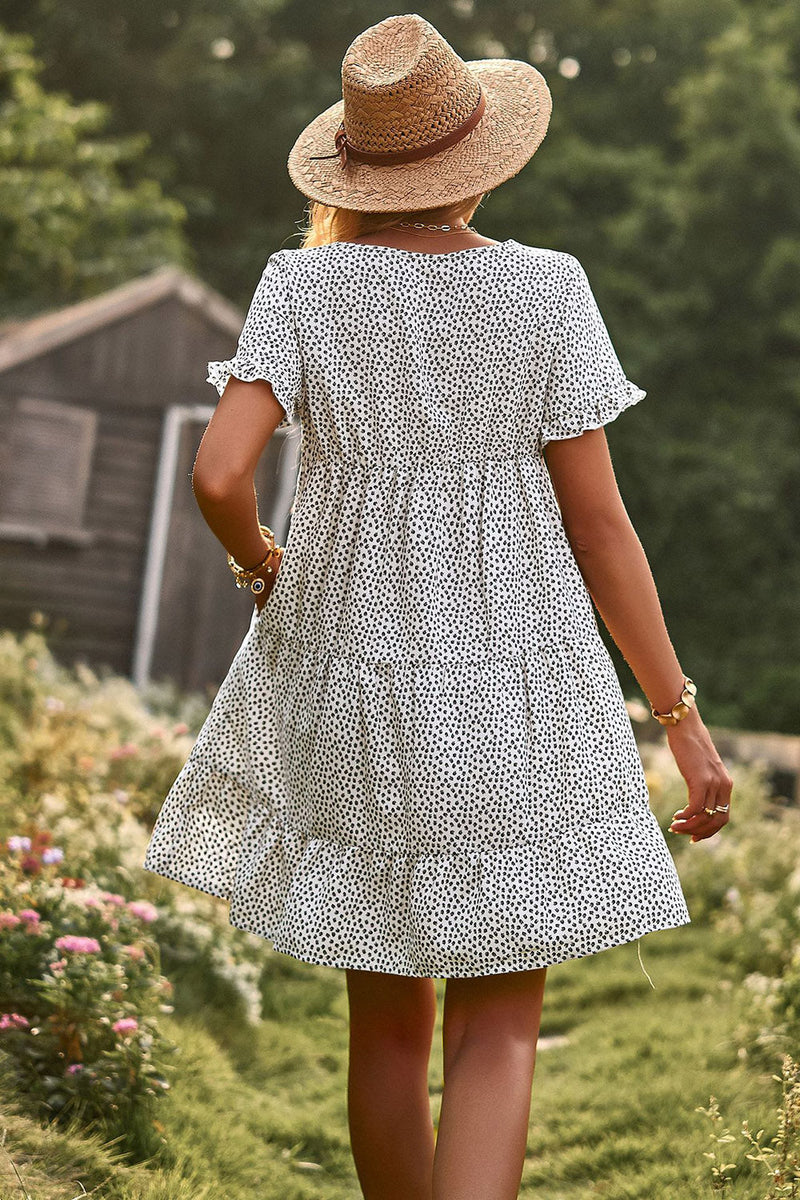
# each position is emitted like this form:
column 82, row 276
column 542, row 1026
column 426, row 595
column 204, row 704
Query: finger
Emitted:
column 715, row 821
column 695, row 819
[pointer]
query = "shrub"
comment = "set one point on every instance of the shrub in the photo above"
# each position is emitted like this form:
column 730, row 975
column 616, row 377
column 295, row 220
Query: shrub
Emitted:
column 80, row 989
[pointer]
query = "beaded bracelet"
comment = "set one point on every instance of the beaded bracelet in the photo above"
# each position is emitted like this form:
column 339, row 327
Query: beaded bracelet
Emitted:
column 245, row 577
column 681, row 707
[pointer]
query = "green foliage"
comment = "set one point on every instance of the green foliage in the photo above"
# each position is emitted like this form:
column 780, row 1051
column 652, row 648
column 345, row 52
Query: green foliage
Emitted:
column 89, row 760
column 80, row 990
column 779, row 1155
column 73, row 220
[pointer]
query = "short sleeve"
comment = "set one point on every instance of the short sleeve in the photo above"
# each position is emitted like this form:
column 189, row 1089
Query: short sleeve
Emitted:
column 586, row 386
column 268, row 345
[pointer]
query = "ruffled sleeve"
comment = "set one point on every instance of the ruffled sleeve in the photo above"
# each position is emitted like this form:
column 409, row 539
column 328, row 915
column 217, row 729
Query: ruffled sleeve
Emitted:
column 586, row 385
column 268, row 346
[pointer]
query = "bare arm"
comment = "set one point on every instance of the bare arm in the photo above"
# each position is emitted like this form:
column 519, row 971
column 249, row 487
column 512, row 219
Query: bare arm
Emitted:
column 614, row 566
column 243, row 423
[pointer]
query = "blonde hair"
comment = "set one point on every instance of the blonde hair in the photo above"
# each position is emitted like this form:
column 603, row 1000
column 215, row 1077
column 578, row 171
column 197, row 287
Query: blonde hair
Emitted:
column 326, row 223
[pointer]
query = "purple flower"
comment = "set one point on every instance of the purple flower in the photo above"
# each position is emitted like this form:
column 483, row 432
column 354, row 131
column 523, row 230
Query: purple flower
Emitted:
column 30, row 916
column 74, row 1068
column 143, row 909
column 13, row 1021
column 125, row 1025
column 53, row 854
column 78, row 945
column 16, row 843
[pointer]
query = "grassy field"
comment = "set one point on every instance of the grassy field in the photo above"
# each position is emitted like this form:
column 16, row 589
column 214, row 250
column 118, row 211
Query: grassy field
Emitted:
column 260, row 1113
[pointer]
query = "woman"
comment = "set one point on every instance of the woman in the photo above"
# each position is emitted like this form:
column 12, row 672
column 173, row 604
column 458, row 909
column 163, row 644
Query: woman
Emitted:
column 420, row 765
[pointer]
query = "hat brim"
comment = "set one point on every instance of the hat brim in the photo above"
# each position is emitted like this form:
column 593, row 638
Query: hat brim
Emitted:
column 518, row 107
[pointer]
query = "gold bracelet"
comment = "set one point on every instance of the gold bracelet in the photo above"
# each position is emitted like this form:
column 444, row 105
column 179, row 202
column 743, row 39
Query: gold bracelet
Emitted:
column 244, row 576
column 257, row 585
column 681, row 708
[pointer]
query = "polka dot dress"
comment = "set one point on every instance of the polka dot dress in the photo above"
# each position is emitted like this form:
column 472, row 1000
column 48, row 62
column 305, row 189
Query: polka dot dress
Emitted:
column 420, row 761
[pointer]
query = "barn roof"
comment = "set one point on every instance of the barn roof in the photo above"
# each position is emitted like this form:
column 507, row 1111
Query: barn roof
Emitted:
column 23, row 340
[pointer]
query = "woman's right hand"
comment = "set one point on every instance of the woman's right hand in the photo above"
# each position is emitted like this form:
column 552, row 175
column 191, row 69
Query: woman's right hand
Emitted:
column 708, row 781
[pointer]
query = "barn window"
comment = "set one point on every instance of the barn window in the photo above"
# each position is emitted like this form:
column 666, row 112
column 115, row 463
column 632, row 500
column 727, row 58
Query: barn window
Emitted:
column 45, row 477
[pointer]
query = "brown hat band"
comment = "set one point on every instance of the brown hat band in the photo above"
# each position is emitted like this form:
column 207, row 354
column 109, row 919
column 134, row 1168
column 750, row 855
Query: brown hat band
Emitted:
column 393, row 157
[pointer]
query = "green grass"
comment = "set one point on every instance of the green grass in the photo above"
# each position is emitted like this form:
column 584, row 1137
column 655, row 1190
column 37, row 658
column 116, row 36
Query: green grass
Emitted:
column 260, row 1114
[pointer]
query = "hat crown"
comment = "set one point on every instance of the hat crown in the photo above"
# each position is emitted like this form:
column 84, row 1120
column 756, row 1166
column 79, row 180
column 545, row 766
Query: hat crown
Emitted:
column 404, row 86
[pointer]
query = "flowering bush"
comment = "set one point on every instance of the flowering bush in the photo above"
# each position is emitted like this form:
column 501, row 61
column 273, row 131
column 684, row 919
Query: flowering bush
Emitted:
column 80, row 990
column 745, row 882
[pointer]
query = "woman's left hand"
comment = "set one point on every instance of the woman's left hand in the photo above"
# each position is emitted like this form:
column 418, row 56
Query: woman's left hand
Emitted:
column 270, row 577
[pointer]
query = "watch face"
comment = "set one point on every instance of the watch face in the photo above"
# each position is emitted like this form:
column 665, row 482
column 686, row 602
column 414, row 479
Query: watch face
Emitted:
column 257, row 586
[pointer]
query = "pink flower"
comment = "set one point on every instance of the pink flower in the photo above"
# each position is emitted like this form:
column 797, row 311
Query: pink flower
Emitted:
column 90, row 901
column 57, row 967
column 18, row 843
column 180, row 728
column 53, row 854
column 128, row 750
column 134, row 952
column 78, row 945
column 121, row 796
column 29, row 915
column 74, row 1068
column 143, row 909
column 13, row 1021
column 8, row 920
column 112, row 897
column 125, row 1025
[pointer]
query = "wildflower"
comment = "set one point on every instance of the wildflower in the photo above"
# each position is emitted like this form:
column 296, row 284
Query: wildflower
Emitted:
column 78, row 945
column 112, row 897
column 17, row 843
column 128, row 750
column 85, row 762
column 74, row 1068
column 31, row 864
column 72, row 881
column 143, row 909
column 58, row 966
column 13, row 1021
column 53, row 854
column 54, row 704
column 8, row 920
column 134, row 952
column 180, row 728
column 121, row 796
column 125, row 1025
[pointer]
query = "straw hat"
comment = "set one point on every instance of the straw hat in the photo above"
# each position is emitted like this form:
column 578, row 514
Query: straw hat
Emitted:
column 417, row 127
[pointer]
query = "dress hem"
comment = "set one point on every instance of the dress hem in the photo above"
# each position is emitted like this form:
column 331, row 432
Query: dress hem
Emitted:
column 280, row 947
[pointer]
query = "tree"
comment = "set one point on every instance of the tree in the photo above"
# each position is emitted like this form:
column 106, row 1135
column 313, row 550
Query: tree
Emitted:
column 72, row 222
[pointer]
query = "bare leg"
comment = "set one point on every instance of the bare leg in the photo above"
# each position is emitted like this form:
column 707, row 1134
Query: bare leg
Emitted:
column 490, row 1028
column 392, row 1019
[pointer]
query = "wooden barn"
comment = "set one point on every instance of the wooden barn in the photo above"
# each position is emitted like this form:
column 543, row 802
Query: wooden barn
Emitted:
column 102, row 406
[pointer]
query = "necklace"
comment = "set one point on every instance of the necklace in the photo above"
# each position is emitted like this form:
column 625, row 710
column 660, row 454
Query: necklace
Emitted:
column 418, row 225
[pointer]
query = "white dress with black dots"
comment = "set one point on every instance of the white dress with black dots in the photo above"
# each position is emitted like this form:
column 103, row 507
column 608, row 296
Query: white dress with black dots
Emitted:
column 420, row 761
